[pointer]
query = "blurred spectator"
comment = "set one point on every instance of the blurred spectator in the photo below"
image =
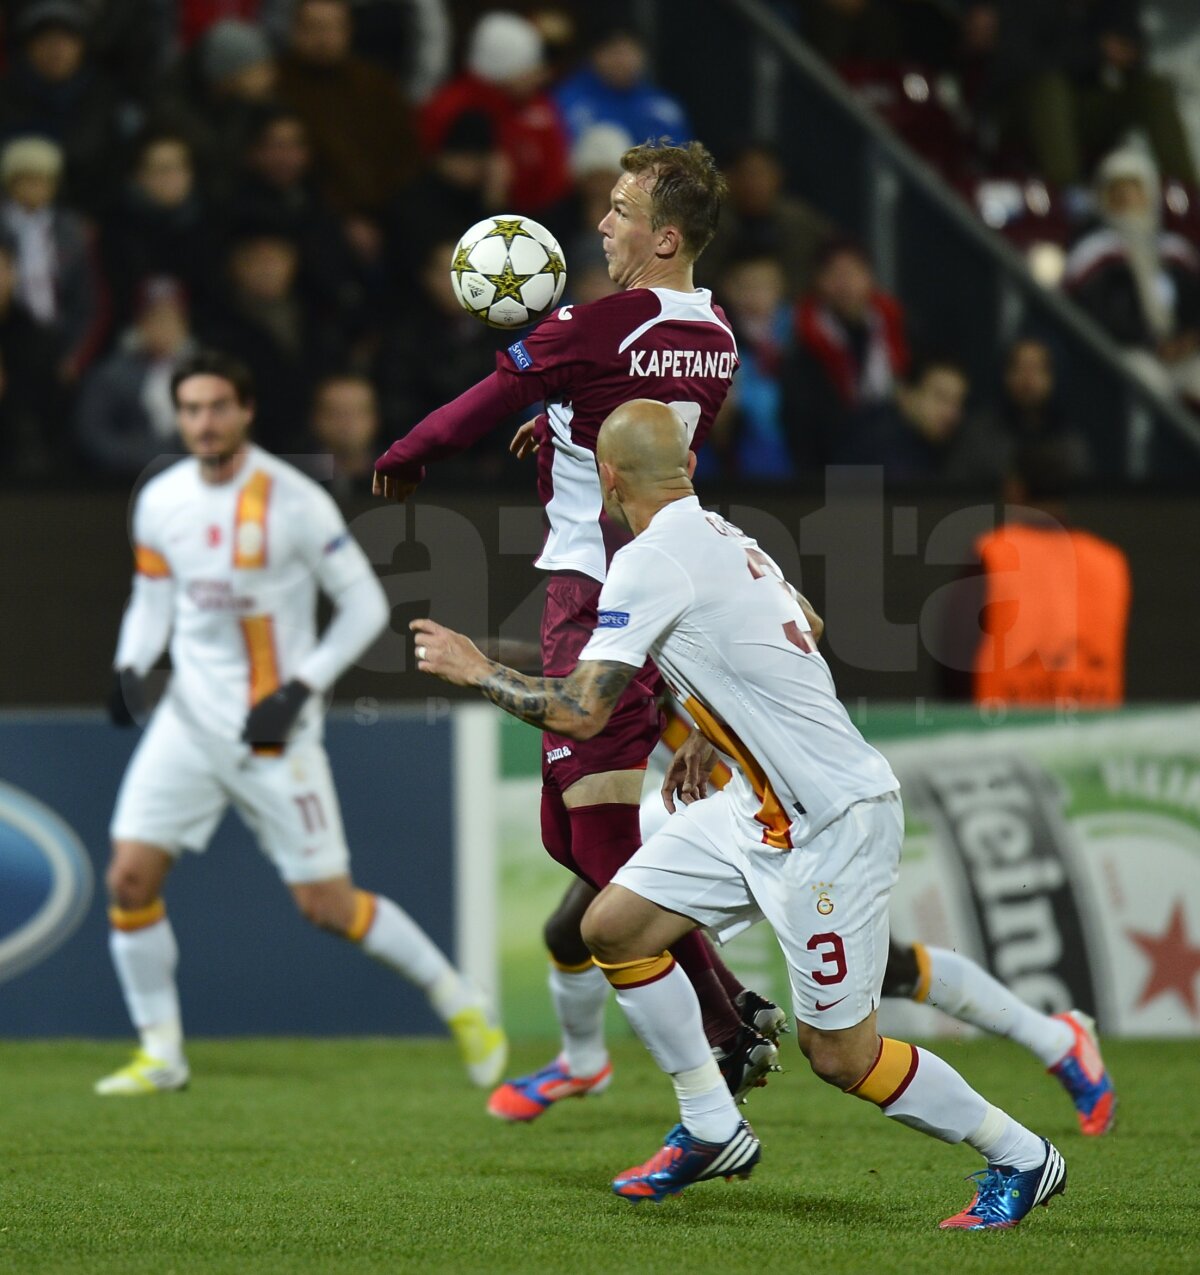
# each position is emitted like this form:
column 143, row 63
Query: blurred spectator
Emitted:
column 1069, row 80
column 429, row 355
column 614, row 87
column 264, row 321
column 504, row 78
column 214, row 97
column 596, row 168
column 752, row 435
column 30, row 412
column 1029, row 411
column 359, row 124
column 1041, row 615
column 918, row 435
column 410, row 39
column 853, row 346
column 159, row 226
column 757, row 213
column 466, row 180
column 345, row 423
column 54, row 89
column 276, row 188
column 58, row 281
column 125, row 417
column 1140, row 283
column 192, row 18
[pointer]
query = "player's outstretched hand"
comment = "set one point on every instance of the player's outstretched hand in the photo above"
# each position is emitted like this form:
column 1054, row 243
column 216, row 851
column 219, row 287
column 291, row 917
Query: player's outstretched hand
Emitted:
column 395, row 478
column 391, row 488
column 524, row 441
column 270, row 721
column 687, row 775
column 448, row 655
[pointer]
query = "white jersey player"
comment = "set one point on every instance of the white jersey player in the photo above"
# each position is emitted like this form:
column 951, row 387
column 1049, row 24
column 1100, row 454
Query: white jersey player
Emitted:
column 806, row 834
column 231, row 549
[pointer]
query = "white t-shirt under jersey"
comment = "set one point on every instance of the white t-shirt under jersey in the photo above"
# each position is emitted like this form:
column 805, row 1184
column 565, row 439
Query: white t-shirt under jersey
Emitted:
column 231, row 571
column 715, row 614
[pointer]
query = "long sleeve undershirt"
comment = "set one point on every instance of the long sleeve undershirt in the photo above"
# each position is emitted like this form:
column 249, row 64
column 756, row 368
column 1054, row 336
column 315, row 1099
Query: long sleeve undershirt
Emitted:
column 456, row 426
column 146, row 625
column 360, row 613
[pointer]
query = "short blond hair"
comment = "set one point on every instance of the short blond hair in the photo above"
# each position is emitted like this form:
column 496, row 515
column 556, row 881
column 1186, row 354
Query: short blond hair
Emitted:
column 37, row 155
column 688, row 190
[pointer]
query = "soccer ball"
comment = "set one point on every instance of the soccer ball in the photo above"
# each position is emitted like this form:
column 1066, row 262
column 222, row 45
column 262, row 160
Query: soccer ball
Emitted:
column 508, row 270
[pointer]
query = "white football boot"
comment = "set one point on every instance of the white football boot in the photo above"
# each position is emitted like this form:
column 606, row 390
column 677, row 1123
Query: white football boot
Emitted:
column 144, row 1074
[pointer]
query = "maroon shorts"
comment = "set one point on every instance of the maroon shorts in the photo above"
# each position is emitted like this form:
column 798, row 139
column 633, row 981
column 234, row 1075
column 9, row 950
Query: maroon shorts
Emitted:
column 635, row 725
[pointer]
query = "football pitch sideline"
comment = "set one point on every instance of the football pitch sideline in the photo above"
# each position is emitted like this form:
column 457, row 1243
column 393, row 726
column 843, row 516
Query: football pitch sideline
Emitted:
column 374, row 1155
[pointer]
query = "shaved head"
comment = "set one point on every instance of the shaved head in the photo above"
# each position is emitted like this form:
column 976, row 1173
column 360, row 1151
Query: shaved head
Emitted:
column 644, row 441
column 644, row 459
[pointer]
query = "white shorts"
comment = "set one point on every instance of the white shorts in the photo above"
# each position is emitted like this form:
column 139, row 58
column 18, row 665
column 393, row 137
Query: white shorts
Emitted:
column 827, row 902
column 178, row 785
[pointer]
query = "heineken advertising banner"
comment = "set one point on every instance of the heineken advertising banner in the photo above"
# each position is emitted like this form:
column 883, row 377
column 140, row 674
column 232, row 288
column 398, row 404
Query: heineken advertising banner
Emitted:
column 1062, row 853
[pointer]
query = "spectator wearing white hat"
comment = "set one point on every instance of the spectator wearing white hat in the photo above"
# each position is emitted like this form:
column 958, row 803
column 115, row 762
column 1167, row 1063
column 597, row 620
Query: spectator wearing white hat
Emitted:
column 1139, row 282
column 55, row 89
column 59, row 281
column 504, row 78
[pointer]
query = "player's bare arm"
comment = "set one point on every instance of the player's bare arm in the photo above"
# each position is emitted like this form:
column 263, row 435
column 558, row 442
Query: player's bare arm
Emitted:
column 577, row 706
column 687, row 775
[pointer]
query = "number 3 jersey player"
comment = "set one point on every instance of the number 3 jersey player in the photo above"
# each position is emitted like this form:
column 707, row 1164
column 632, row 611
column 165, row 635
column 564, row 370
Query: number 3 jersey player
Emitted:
column 662, row 338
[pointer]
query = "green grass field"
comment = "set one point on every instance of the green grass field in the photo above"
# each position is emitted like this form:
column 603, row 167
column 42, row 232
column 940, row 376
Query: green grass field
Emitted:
column 374, row 1155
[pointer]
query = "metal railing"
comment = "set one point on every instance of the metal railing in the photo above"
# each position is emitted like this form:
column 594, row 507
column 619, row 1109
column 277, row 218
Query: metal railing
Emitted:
column 971, row 282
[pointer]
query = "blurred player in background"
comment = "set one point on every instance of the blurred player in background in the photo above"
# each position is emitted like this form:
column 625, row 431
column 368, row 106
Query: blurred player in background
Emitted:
column 231, row 548
column 807, row 833
column 660, row 337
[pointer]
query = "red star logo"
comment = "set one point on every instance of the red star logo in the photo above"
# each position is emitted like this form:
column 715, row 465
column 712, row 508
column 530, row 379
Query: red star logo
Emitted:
column 214, row 534
column 1174, row 962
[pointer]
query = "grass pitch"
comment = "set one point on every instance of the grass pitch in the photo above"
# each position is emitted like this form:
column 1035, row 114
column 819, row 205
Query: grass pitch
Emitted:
column 374, row 1155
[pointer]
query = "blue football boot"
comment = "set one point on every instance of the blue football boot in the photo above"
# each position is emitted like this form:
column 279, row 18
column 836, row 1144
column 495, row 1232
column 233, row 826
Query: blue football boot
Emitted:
column 683, row 1160
column 1004, row 1196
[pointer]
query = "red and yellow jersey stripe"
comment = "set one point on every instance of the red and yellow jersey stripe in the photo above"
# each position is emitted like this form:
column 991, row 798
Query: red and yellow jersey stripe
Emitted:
column 771, row 814
column 674, row 734
column 149, row 562
column 250, row 522
column 258, row 632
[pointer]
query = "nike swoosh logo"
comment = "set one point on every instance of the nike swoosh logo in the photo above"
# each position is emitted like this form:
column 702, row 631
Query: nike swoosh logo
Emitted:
column 832, row 1003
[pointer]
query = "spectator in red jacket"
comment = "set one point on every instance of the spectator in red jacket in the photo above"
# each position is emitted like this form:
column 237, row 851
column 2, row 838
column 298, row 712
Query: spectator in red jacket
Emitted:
column 504, row 79
column 852, row 343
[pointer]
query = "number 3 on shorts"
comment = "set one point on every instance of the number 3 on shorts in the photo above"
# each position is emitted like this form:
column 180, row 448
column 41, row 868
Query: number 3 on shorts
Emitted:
column 833, row 954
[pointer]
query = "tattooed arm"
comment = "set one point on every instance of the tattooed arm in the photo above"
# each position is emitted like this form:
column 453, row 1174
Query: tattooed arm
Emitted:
column 577, row 706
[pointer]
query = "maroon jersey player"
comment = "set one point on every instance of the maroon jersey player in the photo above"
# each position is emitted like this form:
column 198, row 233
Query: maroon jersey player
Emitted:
column 661, row 338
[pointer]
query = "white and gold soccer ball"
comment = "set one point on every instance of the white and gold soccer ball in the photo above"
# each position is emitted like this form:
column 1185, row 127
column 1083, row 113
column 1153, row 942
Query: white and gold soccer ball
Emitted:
column 508, row 271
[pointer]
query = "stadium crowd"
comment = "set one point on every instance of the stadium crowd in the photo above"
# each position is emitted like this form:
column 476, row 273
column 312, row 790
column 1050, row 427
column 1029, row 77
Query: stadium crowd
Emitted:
column 286, row 178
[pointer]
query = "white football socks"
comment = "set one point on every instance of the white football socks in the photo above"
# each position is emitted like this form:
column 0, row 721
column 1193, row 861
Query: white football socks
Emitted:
column 397, row 941
column 665, row 1014
column 936, row 1100
column 961, row 988
column 579, row 998
column 1001, row 1140
column 145, row 961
